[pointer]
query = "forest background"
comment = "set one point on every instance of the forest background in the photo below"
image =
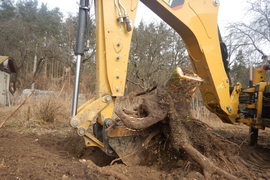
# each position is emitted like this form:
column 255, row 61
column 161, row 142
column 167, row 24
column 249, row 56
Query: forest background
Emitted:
column 32, row 31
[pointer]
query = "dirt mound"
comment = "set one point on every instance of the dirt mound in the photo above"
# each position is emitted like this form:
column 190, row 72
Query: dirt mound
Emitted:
column 32, row 156
column 44, row 157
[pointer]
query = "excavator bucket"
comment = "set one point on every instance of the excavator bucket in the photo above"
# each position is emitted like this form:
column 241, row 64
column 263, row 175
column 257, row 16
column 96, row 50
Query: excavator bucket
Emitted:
column 129, row 145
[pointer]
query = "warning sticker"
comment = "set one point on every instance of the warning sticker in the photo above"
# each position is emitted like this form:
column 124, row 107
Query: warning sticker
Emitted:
column 121, row 28
column 175, row 4
column 221, row 86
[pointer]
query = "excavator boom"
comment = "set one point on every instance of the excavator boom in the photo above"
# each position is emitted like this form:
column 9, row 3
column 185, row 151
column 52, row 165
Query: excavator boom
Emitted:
column 195, row 21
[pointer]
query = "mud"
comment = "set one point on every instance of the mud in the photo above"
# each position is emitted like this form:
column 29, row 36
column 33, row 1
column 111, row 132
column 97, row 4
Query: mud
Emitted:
column 50, row 156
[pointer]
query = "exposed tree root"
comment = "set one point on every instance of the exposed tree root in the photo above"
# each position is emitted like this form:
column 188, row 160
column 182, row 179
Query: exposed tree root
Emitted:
column 208, row 167
column 155, row 113
column 181, row 139
column 104, row 170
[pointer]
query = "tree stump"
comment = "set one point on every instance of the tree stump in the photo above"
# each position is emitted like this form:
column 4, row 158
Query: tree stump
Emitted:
column 171, row 102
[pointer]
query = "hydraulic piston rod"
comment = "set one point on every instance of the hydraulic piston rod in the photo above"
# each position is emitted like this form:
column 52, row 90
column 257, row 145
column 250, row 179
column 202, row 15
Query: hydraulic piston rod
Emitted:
column 76, row 86
column 83, row 11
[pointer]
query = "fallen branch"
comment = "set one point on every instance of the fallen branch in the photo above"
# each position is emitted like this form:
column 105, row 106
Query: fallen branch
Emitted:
column 61, row 90
column 118, row 159
column 245, row 140
column 15, row 110
column 107, row 172
column 148, row 90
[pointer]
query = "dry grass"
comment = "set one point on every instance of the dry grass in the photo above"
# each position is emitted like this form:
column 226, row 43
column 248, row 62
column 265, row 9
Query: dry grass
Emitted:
column 54, row 110
column 51, row 109
column 40, row 110
column 204, row 115
column 199, row 111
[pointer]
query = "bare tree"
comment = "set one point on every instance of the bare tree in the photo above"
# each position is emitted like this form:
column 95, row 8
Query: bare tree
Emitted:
column 253, row 33
column 155, row 50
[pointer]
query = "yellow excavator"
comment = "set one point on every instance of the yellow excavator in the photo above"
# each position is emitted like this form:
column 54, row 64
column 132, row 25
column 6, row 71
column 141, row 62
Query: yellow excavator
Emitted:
column 196, row 23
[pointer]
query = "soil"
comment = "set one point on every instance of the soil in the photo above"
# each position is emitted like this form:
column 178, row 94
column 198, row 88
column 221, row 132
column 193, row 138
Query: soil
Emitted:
column 34, row 150
column 55, row 155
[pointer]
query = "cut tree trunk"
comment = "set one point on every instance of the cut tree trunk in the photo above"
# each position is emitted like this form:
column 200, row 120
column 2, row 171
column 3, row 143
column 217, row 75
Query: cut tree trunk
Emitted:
column 182, row 84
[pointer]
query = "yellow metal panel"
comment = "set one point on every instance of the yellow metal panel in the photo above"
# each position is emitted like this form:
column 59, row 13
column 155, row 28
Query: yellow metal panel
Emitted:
column 90, row 140
column 249, row 90
column 196, row 22
column 258, row 75
column 3, row 58
column 91, row 109
column 113, row 42
column 250, row 106
column 208, row 21
column 102, row 83
column 102, row 86
column 85, row 105
column 117, row 44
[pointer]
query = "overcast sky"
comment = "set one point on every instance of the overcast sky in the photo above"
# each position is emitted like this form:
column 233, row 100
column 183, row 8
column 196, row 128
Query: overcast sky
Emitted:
column 229, row 11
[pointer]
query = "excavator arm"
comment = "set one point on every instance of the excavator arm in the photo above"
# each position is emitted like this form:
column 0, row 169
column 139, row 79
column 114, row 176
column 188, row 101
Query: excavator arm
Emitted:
column 195, row 21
